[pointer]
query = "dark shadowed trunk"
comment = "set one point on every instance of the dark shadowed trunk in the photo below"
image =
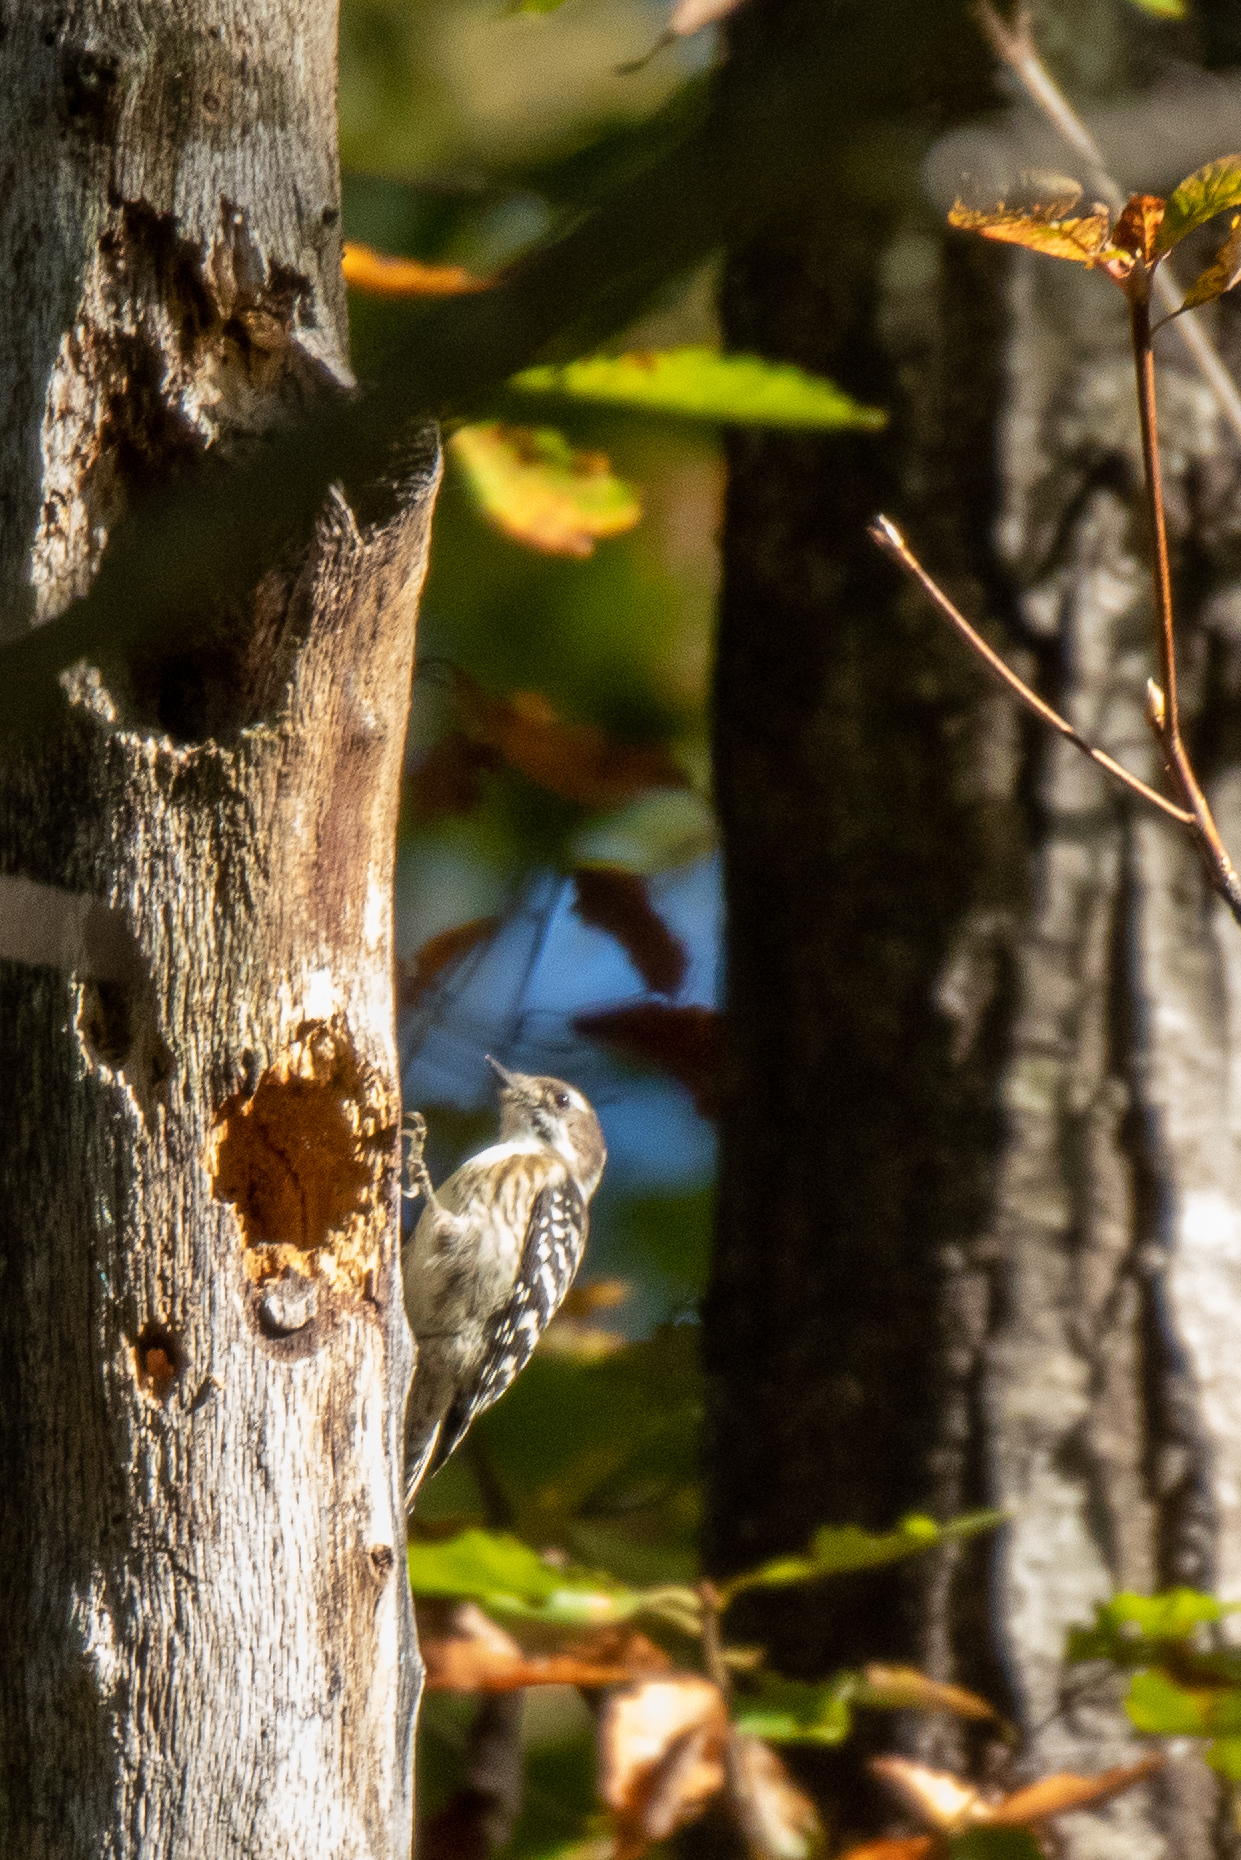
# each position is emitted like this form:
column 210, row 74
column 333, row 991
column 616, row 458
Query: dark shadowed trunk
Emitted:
column 206, row 1639
column 980, row 1211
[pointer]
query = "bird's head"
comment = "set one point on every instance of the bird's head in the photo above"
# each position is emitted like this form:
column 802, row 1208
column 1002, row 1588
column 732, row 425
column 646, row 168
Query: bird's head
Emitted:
column 558, row 1115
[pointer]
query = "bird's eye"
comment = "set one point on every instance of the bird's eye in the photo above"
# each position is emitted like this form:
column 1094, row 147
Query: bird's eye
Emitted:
column 561, row 1100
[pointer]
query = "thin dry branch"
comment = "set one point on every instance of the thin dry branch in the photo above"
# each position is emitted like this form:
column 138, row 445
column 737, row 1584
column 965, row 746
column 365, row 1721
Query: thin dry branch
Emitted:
column 1164, row 710
column 1014, row 46
column 1197, row 817
column 890, row 540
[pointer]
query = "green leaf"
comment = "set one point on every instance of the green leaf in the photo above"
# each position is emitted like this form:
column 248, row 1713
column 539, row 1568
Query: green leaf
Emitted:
column 791, row 1711
column 478, row 1563
column 1224, row 1755
column 1199, row 198
column 1158, row 1705
column 839, row 1549
column 506, row 1575
column 995, row 1844
column 513, row 1581
column 1131, row 1630
column 1162, row 9
column 700, row 384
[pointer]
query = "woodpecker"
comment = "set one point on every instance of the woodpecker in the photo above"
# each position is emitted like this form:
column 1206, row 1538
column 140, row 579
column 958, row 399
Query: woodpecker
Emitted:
column 492, row 1256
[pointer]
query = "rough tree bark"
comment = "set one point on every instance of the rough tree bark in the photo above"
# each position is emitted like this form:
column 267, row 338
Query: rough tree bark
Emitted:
column 206, row 1641
column 980, row 1213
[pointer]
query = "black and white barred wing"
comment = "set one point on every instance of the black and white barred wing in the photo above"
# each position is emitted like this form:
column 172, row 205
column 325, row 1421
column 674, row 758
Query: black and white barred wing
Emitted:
column 555, row 1240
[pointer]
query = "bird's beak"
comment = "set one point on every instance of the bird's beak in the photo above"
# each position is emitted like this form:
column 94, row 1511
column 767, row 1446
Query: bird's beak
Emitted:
column 507, row 1079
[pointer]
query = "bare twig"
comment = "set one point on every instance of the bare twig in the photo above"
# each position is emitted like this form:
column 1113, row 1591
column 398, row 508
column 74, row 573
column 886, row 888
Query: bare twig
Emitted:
column 1014, row 46
column 1163, row 708
column 893, row 544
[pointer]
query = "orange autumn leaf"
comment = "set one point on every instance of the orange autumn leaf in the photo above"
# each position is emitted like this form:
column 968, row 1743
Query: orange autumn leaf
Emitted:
column 532, row 485
column 1056, row 1795
column 910, row 1847
column 661, row 1757
column 456, row 1665
column 1084, row 238
column 464, row 1650
column 382, row 276
column 576, row 761
column 1137, row 229
column 950, row 1805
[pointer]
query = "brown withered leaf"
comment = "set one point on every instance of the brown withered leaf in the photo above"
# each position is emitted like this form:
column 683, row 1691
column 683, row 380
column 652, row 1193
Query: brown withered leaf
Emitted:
column 661, row 1757
column 469, row 1653
column 382, row 276
column 1137, row 228
column 777, row 1819
column 935, row 1796
column 904, row 1688
column 576, row 761
column 1083, row 238
column 684, row 1042
column 620, row 1646
column 950, row 1806
column 1056, row 1795
column 448, row 780
column 617, row 902
column 1221, row 274
column 438, row 954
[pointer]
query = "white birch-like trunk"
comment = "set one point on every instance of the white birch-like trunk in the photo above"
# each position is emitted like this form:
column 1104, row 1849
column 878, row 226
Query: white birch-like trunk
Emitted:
column 206, row 1639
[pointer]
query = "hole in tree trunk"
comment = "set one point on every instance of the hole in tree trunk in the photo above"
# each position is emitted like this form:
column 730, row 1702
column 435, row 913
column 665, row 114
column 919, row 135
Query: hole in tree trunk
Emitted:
column 160, row 1359
column 303, row 1159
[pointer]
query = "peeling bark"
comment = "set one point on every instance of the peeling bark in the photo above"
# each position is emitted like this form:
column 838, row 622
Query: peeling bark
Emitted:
column 206, row 1642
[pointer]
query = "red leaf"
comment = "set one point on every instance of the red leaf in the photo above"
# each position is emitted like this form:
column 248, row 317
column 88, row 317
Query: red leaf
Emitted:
column 684, row 1042
column 438, row 953
column 448, row 781
column 617, row 902
column 577, row 761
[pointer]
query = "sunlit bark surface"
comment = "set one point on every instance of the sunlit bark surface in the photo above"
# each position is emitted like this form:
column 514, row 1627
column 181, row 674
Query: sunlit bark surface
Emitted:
column 206, row 1638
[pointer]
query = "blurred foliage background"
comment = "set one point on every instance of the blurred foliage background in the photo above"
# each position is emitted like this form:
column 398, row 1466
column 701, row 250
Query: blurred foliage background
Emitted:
column 468, row 133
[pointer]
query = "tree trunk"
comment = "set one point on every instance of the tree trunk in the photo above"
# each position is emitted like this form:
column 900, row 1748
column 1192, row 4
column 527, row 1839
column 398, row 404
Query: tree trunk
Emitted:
column 980, row 1207
column 206, row 1639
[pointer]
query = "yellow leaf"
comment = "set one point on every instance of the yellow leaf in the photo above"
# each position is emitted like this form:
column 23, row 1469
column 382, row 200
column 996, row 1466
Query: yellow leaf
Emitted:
column 1221, row 274
column 905, row 1688
column 534, row 487
column 1084, row 239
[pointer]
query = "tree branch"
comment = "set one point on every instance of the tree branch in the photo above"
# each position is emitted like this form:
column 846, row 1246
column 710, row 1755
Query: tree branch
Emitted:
column 889, row 538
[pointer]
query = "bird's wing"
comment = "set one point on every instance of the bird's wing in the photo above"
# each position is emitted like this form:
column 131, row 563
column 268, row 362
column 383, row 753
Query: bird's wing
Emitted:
column 555, row 1237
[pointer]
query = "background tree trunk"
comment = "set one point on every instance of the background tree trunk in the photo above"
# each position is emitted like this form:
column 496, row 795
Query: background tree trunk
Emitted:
column 206, row 1638
column 980, row 1212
